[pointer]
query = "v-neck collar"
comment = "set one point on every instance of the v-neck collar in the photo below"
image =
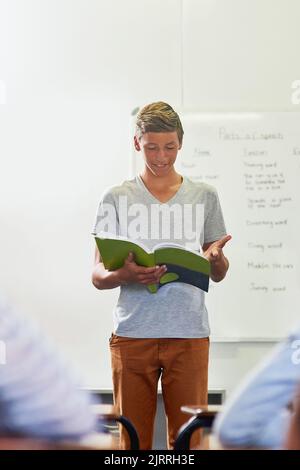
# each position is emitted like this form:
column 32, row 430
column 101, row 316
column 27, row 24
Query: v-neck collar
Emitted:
column 144, row 187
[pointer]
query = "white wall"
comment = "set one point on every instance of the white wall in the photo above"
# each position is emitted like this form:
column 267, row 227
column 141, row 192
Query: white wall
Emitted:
column 240, row 55
column 73, row 71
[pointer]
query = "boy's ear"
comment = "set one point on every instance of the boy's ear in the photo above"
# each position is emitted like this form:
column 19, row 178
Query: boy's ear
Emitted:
column 137, row 144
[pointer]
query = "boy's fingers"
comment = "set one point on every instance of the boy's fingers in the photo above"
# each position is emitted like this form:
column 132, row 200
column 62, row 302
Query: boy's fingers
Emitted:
column 147, row 275
column 154, row 269
column 130, row 256
column 162, row 268
column 142, row 270
column 222, row 242
column 151, row 277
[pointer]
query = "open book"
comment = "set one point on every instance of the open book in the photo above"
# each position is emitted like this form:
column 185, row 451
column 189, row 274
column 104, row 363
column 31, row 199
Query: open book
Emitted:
column 183, row 265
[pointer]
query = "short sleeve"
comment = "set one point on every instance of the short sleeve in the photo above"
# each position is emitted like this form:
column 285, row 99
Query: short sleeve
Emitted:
column 214, row 225
column 106, row 219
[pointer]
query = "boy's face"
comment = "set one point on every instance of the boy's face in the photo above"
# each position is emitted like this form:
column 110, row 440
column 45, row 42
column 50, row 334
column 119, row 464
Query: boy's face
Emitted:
column 159, row 150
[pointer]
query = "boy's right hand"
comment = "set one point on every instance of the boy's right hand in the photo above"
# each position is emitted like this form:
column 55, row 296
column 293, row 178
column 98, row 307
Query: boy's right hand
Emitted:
column 131, row 272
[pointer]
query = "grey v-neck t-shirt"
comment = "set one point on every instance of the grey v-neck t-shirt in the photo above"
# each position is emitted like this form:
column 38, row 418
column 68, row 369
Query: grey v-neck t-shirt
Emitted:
column 190, row 218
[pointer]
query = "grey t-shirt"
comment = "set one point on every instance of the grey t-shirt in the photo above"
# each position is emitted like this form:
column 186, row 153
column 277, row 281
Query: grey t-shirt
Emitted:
column 190, row 218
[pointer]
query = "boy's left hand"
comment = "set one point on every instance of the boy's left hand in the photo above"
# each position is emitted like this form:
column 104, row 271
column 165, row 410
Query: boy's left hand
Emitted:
column 214, row 252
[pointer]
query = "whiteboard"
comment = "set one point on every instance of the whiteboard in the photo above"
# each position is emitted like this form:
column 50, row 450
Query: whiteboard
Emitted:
column 253, row 160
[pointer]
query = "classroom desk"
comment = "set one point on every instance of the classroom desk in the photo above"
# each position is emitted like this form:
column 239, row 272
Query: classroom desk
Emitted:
column 110, row 413
column 96, row 441
column 99, row 441
column 202, row 416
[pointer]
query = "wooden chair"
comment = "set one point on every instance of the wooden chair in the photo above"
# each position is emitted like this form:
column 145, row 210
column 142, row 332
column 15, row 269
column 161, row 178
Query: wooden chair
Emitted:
column 109, row 413
column 202, row 417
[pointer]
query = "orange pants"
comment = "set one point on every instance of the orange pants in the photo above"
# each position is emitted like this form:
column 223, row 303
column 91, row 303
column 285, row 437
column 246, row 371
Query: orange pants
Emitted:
column 137, row 365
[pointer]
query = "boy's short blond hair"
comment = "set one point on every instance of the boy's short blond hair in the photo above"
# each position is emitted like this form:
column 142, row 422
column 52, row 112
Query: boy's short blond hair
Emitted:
column 158, row 117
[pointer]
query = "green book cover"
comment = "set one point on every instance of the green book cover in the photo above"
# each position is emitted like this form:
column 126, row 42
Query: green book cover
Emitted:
column 183, row 265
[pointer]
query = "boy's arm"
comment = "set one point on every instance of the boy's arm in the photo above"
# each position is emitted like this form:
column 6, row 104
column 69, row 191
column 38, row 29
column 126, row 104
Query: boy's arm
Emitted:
column 101, row 277
column 129, row 273
column 214, row 253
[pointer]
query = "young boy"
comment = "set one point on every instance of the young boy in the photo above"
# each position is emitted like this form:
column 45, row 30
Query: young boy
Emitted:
column 163, row 335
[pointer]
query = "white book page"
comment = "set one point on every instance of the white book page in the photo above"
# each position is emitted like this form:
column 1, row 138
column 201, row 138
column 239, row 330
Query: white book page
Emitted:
column 113, row 236
column 160, row 246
